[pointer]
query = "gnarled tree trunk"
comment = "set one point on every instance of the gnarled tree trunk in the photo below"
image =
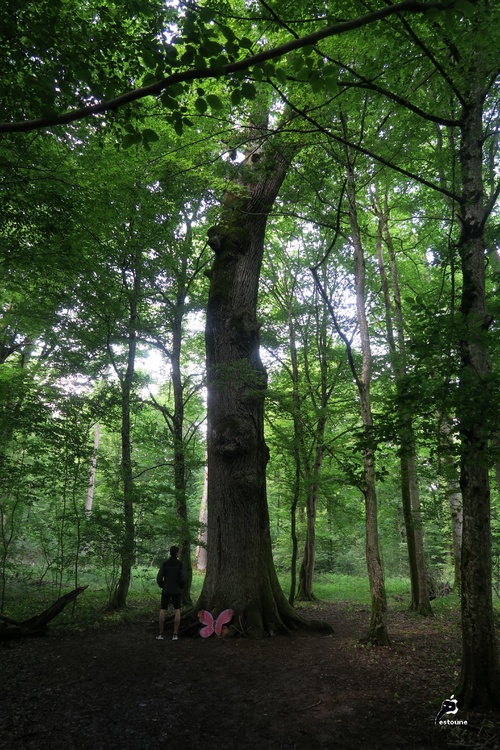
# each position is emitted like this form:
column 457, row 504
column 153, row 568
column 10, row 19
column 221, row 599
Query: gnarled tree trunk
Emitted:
column 240, row 569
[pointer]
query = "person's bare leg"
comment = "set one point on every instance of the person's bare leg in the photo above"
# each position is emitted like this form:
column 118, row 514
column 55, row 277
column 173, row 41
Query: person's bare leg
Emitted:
column 161, row 620
column 177, row 620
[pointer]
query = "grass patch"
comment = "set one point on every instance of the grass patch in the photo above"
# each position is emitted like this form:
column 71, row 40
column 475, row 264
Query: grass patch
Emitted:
column 335, row 587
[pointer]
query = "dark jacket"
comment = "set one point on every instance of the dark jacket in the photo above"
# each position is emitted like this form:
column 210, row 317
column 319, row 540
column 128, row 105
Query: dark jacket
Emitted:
column 172, row 576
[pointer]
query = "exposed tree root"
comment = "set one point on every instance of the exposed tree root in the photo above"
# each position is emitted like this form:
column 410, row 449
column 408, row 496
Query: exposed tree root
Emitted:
column 252, row 623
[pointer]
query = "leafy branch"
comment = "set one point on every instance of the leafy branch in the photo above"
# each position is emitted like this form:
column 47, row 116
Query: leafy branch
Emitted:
column 215, row 72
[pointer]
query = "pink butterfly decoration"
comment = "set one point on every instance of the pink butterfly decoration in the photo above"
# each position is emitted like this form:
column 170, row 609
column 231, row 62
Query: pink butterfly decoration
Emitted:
column 212, row 625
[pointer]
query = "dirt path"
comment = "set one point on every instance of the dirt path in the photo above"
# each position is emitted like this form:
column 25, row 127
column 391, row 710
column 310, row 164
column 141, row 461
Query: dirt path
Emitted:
column 120, row 688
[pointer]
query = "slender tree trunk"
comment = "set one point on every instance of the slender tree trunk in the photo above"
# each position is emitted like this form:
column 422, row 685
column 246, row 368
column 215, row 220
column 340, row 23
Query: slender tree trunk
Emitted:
column 118, row 599
column 93, row 467
column 313, row 474
column 305, row 592
column 298, row 441
column 201, row 549
column 119, row 596
column 451, row 490
column 293, row 528
column 456, row 512
column 479, row 684
column 424, row 604
column 178, row 431
column 240, row 569
column 420, row 601
column 408, row 442
column 409, row 529
column 306, row 572
column 377, row 632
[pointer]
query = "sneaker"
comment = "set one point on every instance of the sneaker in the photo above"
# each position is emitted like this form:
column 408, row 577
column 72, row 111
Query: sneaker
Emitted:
column 159, row 637
column 174, row 637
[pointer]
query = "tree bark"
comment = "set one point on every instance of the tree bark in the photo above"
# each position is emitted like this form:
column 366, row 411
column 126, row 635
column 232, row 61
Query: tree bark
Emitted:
column 479, row 684
column 240, row 569
column 201, row 549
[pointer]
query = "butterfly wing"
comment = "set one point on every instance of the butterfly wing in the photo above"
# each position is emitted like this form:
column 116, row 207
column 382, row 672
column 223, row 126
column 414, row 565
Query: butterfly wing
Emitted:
column 207, row 620
column 224, row 617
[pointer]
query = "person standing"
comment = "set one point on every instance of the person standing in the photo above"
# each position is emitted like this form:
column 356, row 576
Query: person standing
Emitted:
column 171, row 579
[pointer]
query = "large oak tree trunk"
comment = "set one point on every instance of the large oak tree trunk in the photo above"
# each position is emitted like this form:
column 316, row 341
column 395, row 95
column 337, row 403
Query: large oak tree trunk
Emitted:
column 240, row 569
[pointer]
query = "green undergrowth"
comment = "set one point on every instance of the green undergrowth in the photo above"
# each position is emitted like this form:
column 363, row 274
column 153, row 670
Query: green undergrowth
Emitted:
column 331, row 587
column 25, row 598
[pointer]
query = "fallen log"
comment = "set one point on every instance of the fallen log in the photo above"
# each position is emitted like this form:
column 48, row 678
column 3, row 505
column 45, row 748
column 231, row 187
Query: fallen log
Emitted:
column 36, row 625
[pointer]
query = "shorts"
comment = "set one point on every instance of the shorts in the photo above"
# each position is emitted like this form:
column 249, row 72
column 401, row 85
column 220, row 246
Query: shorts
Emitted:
column 165, row 600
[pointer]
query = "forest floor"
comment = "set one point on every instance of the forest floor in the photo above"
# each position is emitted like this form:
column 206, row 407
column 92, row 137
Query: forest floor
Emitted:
column 119, row 687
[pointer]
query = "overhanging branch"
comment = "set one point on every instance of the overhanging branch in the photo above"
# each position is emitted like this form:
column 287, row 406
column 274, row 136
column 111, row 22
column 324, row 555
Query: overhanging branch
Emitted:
column 156, row 88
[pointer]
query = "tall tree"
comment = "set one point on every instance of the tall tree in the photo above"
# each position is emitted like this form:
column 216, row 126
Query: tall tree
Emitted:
column 377, row 632
column 240, row 569
column 132, row 273
column 407, row 448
